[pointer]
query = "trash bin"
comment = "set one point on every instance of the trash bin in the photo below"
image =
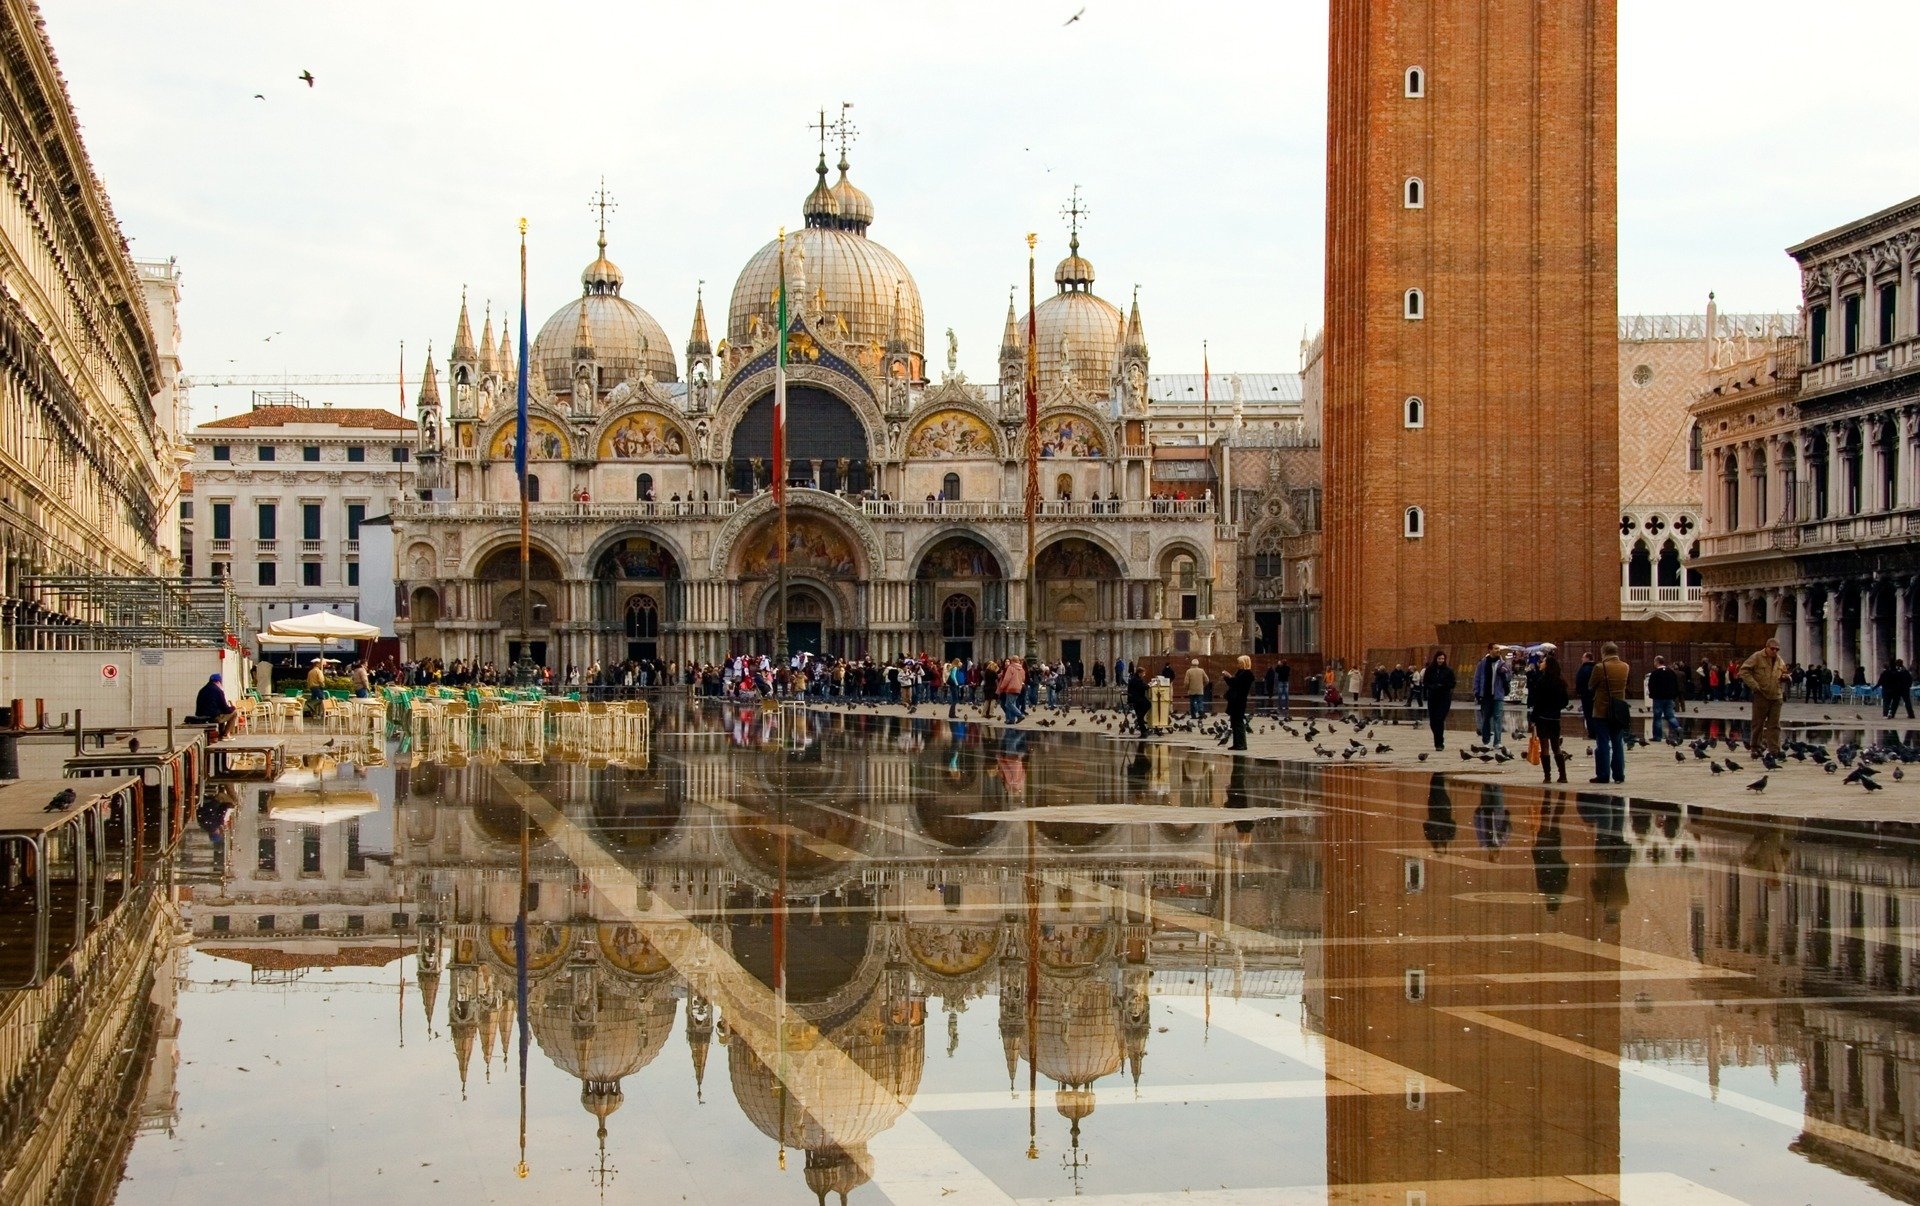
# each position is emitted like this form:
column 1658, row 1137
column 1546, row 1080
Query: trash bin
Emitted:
column 1159, row 703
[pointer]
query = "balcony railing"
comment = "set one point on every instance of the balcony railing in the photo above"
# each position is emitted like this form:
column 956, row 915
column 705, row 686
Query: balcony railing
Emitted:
column 1646, row 596
column 353, row 548
column 220, row 548
column 1053, row 508
column 1865, row 365
column 1899, row 526
column 312, row 548
column 266, row 548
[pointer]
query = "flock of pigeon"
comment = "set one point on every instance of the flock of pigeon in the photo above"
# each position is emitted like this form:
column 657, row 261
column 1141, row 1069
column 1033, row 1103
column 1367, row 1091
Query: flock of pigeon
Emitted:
column 1349, row 736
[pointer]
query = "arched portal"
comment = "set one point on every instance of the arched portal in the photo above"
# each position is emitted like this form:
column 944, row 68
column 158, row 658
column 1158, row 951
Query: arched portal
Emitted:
column 960, row 569
column 826, row 443
column 636, row 599
column 1077, row 586
column 825, row 567
column 423, row 608
column 524, row 630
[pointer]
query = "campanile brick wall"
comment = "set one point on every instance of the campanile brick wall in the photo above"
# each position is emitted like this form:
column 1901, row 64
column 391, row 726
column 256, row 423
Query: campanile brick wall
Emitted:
column 1517, row 466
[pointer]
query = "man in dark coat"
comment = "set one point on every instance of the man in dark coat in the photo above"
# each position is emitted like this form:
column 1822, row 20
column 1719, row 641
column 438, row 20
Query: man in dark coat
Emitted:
column 1239, row 687
column 212, row 707
column 1137, row 699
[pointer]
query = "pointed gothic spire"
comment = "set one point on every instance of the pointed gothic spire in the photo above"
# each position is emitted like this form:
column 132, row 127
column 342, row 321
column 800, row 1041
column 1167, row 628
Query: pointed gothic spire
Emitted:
column 896, row 328
column 1136, row 343
column 582, row 336
column 430, row 396
column 463, row 336
column 1012, row 339
column 504, row 361
column 698, row 345
column 486, row 340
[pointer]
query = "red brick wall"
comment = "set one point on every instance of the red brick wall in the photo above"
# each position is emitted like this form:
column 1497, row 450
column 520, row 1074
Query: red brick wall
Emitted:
column 1517, row 467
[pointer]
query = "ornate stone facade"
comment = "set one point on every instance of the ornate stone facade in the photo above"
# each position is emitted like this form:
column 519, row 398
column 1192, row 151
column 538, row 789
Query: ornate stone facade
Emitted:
column 652, row 521
column 1812, row 455
column 87, row 469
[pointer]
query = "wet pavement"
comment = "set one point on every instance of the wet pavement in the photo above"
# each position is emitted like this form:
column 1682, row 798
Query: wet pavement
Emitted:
column 799, row 957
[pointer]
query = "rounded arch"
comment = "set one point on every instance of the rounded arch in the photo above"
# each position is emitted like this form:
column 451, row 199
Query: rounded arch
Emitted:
column 1415, row 193
column 958, row 553
column 1171, row 551
column 815, row 545
column 955, row 430
column 499, row 561
column 420, row 561
column 750, row 521
column 546, row 432
column 1414, row 304
column 640, row 432
column 423, row 605
column 641, row 553
column 808, row 598
column 1068, row 552
column 802, row 381
column 1071, row 430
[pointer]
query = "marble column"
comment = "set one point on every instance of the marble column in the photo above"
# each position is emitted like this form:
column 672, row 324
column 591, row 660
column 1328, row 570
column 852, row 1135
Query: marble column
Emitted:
column 1903, row 623
column 1873, row 625
column 1805, row 649
column 1835, row 609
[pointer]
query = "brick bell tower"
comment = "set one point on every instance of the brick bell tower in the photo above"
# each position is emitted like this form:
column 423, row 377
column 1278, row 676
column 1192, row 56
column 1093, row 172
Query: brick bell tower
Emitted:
column 1471, row 443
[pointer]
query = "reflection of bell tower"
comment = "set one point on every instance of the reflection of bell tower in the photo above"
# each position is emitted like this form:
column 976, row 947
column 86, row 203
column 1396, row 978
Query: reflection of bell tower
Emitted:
column 463, row 1006
column 1013, row 1011
column 699, row 1039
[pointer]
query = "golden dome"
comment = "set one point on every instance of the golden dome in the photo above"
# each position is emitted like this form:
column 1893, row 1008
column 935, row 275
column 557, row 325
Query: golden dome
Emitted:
column 1075, row 327
column 835, row 272
column 627, row 1030
column 627, row 342
column 831, row 1099
column 1079, row 1039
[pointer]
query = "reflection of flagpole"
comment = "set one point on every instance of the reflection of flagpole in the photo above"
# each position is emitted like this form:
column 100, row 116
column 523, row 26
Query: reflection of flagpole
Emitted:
column 520, row 977
column 780, row 929
column 1033, row 994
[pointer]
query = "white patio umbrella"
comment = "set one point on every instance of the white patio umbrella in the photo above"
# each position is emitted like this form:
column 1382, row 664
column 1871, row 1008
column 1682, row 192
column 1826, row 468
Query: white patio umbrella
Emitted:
column 321, row 807
column 318, row 627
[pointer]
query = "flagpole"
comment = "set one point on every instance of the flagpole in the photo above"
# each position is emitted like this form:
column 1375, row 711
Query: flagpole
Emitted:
column 1033, row 454
column 780, row 638
column 524, row 667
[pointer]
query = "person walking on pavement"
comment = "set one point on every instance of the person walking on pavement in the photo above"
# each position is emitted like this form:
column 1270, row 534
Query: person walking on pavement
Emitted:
column 1611, row 716
column 1282, row 689
column 1663, row 692
column 1013, row 681
column 1545, row 702
column 1896, row 684
column 1764, row 674
column 1492, row 679
column 1439, row 681
column 1239, row 687
column 1198, row 694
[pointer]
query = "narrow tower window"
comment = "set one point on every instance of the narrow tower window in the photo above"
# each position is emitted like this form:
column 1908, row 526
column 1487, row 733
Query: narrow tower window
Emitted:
column 1416, row 523
column 1416, row 413
column 1416, row 81
column 1416, row 193
column 1416, row 304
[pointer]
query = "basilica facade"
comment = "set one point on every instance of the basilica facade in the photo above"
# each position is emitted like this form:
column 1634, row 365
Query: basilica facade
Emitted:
column 654, row 532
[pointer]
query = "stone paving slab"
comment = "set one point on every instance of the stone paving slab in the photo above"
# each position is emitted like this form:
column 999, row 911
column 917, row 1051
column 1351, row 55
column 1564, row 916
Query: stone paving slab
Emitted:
column 1796, row 791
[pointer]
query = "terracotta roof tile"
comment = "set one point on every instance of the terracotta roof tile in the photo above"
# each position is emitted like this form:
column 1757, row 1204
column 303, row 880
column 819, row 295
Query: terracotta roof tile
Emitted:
column 337, row 416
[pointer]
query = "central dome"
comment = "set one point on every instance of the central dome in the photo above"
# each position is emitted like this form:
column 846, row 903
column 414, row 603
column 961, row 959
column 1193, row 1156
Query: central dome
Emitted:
column 1076, row 330
column 627, row 342
column 843, row 275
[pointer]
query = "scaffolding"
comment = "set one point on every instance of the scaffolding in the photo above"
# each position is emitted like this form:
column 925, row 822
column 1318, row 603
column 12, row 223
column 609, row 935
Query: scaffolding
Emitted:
column 100, row 611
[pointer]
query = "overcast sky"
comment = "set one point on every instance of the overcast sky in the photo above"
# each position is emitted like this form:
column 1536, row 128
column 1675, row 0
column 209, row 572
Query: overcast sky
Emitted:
column 319, row 227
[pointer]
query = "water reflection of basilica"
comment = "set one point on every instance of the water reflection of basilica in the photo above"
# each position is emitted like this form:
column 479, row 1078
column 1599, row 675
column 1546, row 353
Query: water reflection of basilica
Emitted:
column 878, row 895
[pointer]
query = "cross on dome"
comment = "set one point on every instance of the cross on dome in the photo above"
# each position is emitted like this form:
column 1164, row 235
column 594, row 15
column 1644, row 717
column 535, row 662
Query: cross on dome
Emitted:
column 603, row 201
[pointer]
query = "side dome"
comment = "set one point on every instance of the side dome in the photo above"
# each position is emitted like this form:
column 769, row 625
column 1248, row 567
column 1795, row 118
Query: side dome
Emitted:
column 627, row 341
column 1077, row 331
column 832, row 266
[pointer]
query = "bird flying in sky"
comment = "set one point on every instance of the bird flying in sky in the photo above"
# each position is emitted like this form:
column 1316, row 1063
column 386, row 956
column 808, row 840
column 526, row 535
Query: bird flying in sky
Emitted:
column 1073, row 18
column 306, row 77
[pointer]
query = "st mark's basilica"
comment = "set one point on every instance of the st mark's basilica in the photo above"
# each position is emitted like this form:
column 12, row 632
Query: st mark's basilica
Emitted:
column 654, row 531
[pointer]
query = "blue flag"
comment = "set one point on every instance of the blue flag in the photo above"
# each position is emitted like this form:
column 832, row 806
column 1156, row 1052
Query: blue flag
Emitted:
column 520, row 405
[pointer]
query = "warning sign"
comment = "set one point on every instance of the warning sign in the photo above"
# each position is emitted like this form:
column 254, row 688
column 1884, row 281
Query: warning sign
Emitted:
column 109, row 672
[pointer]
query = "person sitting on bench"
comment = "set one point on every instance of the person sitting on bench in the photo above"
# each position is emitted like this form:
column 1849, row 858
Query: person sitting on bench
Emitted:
column 211, row 707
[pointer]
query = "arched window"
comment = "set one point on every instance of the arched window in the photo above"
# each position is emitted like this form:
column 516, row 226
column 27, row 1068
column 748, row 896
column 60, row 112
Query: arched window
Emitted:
column 642, row 486
column 1416, row 82
column 1416, row 413
column 950, row 487
column 1416, row 197
column 1063, row 486
column 1640, row 565
column 533, row 487
column 1415, row 524
column 643, row 618
column 1667, row 572
column 1696, row 450
column 1416, row 304
column 957, row 618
